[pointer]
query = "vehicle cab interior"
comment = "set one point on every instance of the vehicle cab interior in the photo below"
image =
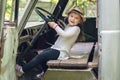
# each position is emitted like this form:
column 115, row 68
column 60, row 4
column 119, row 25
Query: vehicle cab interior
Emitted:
column 35, row 36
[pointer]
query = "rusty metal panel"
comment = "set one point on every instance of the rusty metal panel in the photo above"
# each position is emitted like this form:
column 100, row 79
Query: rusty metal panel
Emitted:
column 2, row 12
column 10, row 52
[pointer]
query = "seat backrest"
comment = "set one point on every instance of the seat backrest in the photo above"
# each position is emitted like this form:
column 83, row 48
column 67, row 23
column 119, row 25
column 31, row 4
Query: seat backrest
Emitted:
column 90, row 30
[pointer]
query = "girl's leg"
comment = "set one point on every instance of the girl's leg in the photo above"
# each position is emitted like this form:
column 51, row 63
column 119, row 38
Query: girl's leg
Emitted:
column 42, row 58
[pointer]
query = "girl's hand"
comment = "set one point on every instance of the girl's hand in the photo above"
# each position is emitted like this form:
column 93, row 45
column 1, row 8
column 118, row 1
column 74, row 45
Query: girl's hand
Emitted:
column 52, row 25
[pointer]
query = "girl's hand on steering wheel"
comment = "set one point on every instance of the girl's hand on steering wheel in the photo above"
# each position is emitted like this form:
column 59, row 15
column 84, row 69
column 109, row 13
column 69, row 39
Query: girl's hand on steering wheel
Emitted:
column 52, row 25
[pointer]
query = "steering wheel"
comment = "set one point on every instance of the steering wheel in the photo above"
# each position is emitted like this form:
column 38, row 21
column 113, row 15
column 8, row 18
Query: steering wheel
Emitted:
column 48, row 18
column 41, row 12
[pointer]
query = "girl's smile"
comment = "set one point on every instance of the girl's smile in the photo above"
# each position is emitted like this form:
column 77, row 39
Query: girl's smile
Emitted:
column 74, row 19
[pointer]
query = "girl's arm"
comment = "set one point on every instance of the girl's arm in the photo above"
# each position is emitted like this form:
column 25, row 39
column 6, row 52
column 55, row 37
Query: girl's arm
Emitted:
column 69, row 33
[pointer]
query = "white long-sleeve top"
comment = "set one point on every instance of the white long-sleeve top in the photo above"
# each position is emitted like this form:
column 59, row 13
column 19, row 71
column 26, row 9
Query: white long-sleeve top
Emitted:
column 65, row 41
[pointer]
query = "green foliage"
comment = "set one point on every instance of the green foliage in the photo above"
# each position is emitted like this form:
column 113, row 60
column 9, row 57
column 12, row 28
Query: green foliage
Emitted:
column 54, row 1
column 84, row 3
column 9, row 6
column 8, row 9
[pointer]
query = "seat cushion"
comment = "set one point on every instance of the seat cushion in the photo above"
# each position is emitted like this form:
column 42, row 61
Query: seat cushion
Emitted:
column 81, row 48
column 79, row 57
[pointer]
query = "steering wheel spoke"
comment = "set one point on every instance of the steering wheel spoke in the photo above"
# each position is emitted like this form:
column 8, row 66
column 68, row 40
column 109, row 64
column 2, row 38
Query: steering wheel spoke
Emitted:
column 47, row 18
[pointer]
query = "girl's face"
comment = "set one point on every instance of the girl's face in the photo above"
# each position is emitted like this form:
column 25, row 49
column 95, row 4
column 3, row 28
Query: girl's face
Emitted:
column 74, row 19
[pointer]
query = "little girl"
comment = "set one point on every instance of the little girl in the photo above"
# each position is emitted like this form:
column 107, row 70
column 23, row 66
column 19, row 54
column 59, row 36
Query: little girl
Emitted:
column 60, row 50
